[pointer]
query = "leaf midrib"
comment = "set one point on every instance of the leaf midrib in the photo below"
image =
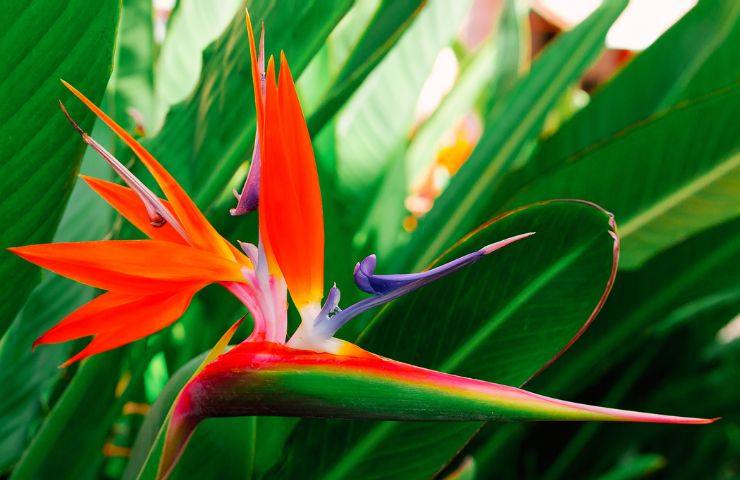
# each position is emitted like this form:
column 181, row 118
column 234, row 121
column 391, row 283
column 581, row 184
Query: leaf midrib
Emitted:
column 680, row 195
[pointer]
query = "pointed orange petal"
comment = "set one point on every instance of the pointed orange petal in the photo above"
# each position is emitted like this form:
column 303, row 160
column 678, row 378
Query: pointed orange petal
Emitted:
column 298, row 142
column 133, row 266
column 128, row 204
column 130, row 322
column 290, row 197
column 107, row 312
column 264, row 231
column 201, row 232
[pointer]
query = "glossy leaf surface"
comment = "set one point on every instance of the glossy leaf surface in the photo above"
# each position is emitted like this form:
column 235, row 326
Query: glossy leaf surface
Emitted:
column 512, row 126
column 42, row 42
column 500, row 320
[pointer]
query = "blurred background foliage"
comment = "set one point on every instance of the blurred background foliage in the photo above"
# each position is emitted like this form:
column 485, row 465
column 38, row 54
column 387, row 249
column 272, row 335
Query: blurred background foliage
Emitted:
column 428, row 117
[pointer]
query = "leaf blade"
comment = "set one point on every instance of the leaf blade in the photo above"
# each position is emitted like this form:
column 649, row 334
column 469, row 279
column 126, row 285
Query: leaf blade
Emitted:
column 512, row 125
column 41, row 43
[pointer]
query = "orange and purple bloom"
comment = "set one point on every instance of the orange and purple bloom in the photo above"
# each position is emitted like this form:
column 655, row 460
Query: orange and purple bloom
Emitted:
column 149, row 284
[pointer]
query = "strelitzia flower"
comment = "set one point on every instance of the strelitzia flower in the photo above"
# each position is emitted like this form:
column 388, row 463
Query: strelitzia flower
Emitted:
column 310, row 373
column 317, row 374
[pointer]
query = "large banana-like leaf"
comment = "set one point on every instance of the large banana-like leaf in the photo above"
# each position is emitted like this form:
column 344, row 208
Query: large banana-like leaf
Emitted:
column 28, row 382
column 389, row 22
column 630, row 129
column 510, row 128
column 26, row 375
column 702, row 40
column 635, row 319
column 679, row 182
column 193, row 25
column 42, row 42
column 499, row 321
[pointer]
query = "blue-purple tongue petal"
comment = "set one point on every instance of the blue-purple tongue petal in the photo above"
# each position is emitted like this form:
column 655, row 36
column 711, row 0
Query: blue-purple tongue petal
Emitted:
column 389, row 287
column 364, row 270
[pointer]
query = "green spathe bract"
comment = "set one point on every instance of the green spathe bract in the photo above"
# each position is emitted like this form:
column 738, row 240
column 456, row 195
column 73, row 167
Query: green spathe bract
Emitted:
column 258, row 378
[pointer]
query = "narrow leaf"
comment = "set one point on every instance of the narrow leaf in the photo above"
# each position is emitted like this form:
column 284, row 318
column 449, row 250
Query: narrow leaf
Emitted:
column 511, row 126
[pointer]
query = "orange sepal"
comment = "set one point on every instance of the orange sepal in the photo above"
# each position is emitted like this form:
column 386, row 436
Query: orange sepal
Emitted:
column 298, row 144
column 201, row 232
column 128, row 204
column 110, row 311
column 290, row 198
column 264, row 231
column 131, row 321
column 133, row 266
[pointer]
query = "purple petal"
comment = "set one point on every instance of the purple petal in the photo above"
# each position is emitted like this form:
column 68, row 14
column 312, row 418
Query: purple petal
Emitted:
column 389, row 287
column 363, row 271
column 332, row 302
column 248, row 199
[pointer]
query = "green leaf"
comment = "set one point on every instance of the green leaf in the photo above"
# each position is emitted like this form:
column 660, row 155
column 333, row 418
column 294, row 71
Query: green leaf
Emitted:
column 391, row 19
column 511, row 127
column 43, row 41
column 675, row 181
column 500, row 320
column 206, row 138
column 693, row 269
column 69, row 443
column 367, row 137
column 193, row 25
column 656, row 79
column 130, row 91
column 26, row 375
column 670, row 194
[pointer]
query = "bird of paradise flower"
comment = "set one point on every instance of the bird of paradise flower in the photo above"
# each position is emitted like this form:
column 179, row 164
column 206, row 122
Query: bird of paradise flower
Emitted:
column 149, row 284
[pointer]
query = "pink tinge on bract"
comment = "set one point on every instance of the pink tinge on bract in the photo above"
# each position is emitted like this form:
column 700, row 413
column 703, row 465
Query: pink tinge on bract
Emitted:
column 262, row 378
